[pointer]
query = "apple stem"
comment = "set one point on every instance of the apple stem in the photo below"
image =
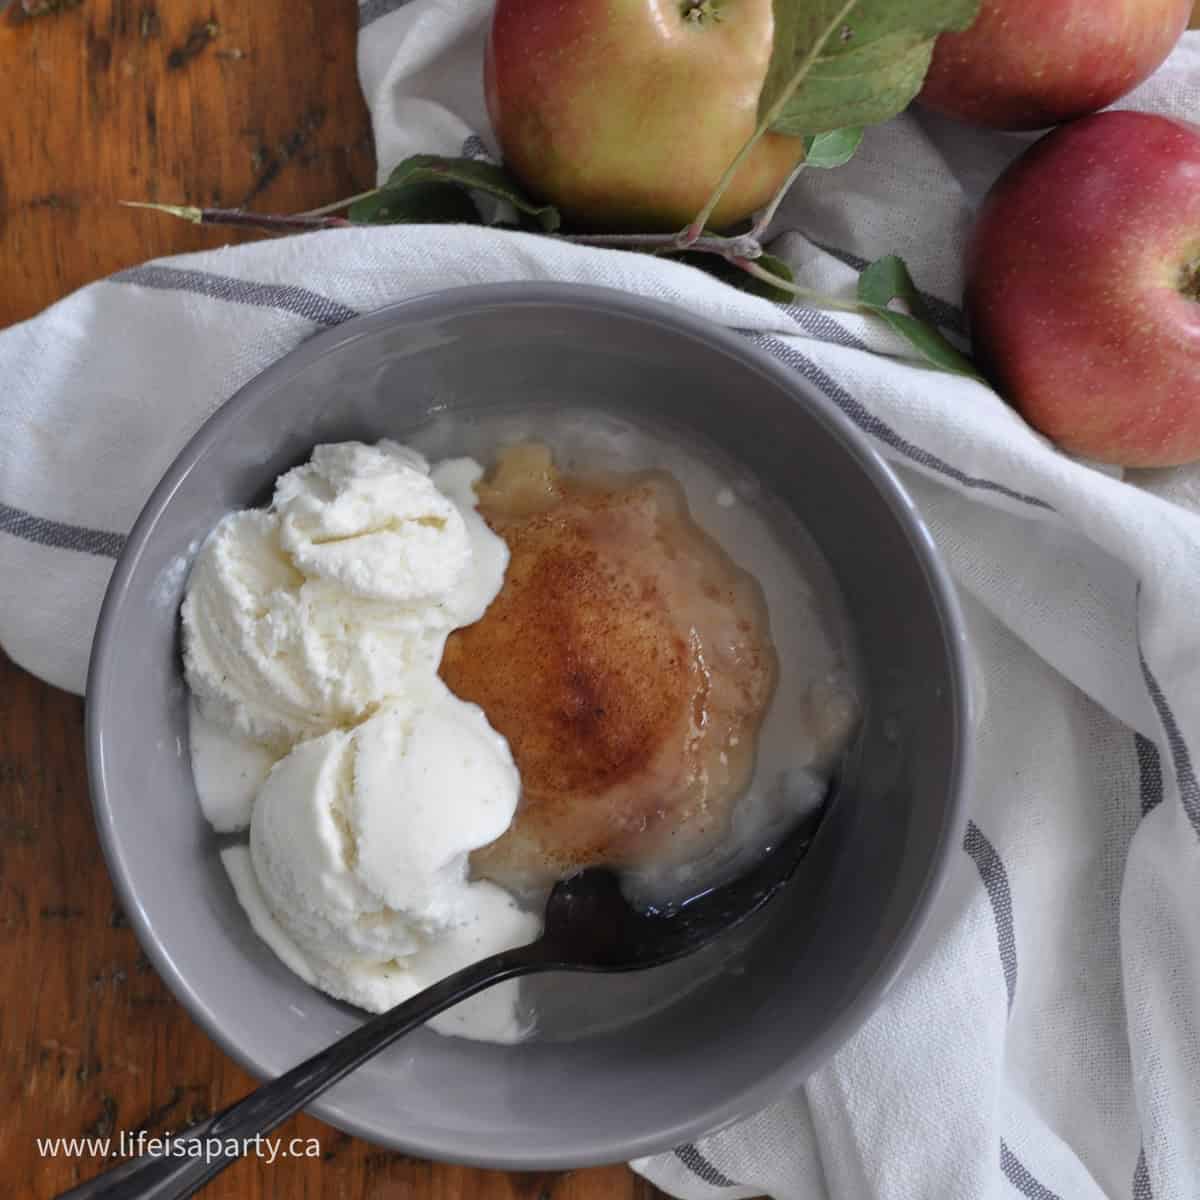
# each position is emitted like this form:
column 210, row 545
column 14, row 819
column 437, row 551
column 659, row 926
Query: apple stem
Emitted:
column 699, row 10
column 1189, row 282
column 689, row 235
column 764, row 216
column 807, row 295
column 338, row 205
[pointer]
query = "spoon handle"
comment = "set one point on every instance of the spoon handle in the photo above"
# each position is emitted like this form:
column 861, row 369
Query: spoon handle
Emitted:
column 197, row 1154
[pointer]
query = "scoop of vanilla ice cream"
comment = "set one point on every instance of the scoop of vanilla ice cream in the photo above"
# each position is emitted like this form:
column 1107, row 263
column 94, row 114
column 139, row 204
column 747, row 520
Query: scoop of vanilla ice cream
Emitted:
column 359, row 843
column 307, row 616
column 313, row 631
column 370, row 519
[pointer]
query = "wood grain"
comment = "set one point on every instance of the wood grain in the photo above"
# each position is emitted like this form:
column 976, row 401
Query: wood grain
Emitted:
column 212, row 103
column 221, row 103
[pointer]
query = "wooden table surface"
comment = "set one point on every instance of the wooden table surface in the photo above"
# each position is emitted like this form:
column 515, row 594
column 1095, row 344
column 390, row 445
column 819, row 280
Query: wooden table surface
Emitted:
column 210, row 101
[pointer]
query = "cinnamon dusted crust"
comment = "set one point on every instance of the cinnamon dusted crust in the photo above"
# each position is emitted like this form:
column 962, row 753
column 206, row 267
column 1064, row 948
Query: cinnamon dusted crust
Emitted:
column 628, row 662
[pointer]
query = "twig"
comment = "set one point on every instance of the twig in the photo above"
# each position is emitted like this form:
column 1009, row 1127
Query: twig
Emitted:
column 764, row 217
column 741, row 251
column 238, row 216
column 742, row 246
column 816, row 299
column 338, row 205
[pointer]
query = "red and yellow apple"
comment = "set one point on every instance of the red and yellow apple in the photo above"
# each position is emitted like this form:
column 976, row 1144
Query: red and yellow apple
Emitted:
column 625, row 113
column 1028, row 64
column 1083, row 288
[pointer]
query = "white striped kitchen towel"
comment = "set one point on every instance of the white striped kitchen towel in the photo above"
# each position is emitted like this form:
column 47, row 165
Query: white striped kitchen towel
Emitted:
column 1045, row 1039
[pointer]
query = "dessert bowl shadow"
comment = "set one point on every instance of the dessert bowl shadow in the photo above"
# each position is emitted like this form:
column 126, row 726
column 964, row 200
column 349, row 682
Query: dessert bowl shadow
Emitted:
column 834, row 941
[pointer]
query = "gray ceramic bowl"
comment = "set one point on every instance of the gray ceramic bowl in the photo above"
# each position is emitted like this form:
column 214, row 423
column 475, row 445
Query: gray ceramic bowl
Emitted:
column 840, row 934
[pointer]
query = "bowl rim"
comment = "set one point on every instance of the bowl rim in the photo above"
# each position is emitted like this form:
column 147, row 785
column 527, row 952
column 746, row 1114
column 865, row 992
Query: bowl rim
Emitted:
column 449, row 302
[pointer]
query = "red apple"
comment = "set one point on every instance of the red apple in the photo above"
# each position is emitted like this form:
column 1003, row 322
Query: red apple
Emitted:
column 1083, row 288
column 625, row 113
column 1027, row 64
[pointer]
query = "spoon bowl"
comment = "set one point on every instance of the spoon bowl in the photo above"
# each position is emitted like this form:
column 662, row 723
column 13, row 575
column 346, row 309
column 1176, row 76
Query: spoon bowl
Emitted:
column 591, row 926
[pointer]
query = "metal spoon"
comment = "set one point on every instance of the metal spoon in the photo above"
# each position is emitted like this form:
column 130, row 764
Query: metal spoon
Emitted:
column 589, row 926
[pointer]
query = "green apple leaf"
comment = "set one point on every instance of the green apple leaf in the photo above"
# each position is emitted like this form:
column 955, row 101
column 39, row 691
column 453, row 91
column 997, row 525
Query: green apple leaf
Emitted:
column 851, row 62
column 888, row 279
column 832, row 149
column 467, row 175
column 415, row 204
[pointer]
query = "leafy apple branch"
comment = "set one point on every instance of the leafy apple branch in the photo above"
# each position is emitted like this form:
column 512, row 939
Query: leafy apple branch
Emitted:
column 836, row 67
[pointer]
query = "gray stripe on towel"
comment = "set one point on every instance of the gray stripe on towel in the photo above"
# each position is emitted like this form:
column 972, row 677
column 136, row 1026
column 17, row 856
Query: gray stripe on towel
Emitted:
column 868, row 422
column 702, row 1168
column 1185, row 774
column 58, row 534
column 823, row 326
column 473, row 147
column 1141, row 1178
column 1150, row 777
column 1019, row 1176
column 995, row 880
column 283, row 296
column 370, row 11
column 947, row 315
